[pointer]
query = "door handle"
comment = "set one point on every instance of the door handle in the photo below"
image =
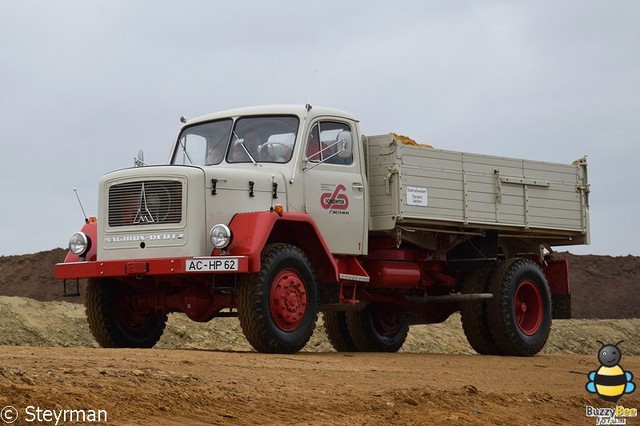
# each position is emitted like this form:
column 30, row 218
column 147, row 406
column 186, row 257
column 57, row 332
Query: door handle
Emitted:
column 357, row 186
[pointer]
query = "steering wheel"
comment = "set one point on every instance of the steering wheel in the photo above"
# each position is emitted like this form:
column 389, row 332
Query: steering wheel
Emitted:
column 276, row 151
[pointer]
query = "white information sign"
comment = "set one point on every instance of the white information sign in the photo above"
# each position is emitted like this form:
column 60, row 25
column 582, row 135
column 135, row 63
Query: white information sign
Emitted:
column 417, row 196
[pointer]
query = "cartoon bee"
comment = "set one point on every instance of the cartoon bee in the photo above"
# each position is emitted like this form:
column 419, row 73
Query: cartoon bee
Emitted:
column 610, row 381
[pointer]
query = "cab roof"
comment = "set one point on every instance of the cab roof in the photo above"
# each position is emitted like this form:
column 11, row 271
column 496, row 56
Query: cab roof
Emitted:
column 299, row 110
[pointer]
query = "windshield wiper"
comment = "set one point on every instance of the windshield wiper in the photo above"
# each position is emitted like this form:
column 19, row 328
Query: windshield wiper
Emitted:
column 184, row 151
column 245, row 149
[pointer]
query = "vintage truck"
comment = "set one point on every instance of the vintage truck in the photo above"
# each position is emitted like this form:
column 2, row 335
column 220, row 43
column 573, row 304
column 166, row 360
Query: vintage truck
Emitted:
column 274, row 214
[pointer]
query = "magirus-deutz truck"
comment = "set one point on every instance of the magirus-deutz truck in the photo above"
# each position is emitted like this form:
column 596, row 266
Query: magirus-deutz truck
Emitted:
column 275, row 214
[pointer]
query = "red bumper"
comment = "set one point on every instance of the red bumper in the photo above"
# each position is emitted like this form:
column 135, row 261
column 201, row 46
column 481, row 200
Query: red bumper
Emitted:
column 151, row 267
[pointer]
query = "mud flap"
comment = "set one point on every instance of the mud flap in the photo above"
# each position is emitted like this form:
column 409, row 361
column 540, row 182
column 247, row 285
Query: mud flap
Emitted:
column 561, row 306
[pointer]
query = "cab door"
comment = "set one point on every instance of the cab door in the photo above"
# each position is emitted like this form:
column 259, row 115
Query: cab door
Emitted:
column 335, row 187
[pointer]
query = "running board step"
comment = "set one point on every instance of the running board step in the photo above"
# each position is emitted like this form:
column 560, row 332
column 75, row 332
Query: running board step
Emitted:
column 358, row 278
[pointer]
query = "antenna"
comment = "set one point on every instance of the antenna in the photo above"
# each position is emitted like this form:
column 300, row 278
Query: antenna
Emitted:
column 313, row 79
column 86, row 220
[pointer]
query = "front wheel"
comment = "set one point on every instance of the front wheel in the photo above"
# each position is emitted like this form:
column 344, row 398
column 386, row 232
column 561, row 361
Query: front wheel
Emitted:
column 113, row 319
column 378, row 328
column 278, row 306
column 520, row 312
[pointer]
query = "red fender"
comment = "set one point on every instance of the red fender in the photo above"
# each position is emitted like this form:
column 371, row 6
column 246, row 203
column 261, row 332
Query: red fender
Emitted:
column 91, row 229
column 252, row 231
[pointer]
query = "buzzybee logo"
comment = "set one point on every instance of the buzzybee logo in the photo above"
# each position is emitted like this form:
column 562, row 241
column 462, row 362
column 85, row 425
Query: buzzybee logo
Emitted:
column 610, row 382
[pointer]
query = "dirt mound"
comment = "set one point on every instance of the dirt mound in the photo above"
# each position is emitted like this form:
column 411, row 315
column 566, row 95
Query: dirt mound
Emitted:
column 31, row 275
column 602, row 286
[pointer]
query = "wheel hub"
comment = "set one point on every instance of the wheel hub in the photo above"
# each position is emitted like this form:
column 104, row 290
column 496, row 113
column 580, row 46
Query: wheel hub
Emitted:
column 528, row 307
column 288, row 300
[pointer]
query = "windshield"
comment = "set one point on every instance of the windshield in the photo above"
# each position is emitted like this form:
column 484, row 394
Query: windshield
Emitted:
column 203, row 144
column 267, row 139
column 263, row 139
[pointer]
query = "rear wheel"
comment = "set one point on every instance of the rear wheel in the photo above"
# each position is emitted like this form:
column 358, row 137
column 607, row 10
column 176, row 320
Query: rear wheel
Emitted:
column 278, row 306
column 335, row 325
column 474, row 314
column 113, row 319
column 520, row 311
column 378, row 328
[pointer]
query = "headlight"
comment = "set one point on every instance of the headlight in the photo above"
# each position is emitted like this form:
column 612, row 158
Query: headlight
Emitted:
column 79, row 243
column 220, row 236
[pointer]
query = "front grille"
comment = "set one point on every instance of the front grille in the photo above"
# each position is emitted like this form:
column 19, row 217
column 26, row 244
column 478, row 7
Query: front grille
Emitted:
column 149, row 202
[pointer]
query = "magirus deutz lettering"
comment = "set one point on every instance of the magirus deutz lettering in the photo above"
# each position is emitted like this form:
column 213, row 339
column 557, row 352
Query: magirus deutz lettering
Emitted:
column 148, row 237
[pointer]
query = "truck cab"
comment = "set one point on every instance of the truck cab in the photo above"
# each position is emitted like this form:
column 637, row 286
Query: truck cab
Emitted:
column 303, row 158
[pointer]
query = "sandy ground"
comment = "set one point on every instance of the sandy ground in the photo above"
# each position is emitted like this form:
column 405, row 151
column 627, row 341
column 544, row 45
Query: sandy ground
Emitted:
column 171, row 386
column 207, row 374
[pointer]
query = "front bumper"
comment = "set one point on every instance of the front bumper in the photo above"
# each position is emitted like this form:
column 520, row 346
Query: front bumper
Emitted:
column 152, row 267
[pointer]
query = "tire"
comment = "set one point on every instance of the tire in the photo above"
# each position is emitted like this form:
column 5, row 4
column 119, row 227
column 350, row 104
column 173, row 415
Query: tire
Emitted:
column 378, row 328
column 278, row 306
column 335, row 325
column 520, row 311
column 474, row 313
column 114, row 322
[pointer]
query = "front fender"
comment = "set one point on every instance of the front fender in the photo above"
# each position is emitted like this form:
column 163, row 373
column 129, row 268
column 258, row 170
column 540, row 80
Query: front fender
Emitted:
column 253, row 231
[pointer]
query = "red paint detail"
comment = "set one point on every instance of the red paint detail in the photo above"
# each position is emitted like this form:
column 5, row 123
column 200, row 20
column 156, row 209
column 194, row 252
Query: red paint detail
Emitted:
column 251, row 232
column 136, row 268
column 434, row 272
column 393, row 274
column 201, row 305
column 335, row 200
column 528, row 307
column 198, row 303
column 393, row 254
column 118, row 268
column 288, row 300
column 350, row 265
column 557, row 273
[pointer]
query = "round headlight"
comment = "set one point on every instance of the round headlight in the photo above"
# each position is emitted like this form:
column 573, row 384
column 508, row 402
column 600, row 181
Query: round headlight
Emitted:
column 79, row 243
column 220, row 236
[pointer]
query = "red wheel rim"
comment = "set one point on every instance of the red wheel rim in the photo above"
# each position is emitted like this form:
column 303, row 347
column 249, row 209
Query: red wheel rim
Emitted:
column 528, row 307
column 288, row 300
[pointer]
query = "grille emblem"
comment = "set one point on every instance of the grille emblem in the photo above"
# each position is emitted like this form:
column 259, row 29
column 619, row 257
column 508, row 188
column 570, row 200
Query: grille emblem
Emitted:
column 143, row 215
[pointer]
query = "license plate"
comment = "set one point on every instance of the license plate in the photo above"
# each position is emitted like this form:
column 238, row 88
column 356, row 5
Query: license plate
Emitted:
column 211, row 264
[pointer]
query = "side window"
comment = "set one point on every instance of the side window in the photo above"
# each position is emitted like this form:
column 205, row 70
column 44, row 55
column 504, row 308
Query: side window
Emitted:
column 323, row 146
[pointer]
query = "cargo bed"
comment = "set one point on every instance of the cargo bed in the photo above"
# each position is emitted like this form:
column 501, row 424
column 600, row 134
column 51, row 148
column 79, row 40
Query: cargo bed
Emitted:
column 422, row 188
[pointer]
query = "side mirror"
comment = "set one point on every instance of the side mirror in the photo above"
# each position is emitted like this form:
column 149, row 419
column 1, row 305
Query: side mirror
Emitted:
column 345, row 144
